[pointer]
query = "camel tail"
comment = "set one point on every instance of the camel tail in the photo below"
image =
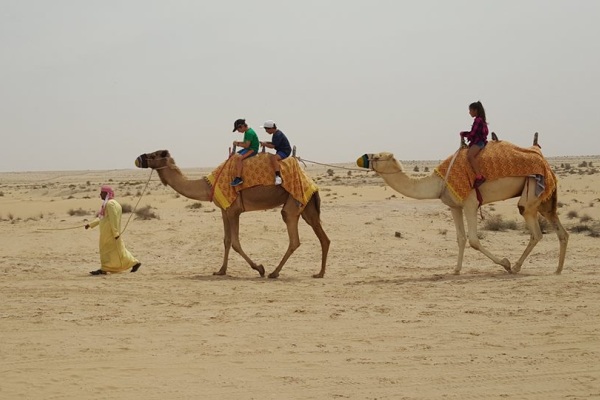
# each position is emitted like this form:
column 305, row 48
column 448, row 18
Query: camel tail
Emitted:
column 554, row 201
column 550, row 205
column 317, row 199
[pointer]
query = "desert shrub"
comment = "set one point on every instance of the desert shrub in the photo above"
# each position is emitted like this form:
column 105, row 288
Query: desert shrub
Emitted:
column 583, row 164
column 595, row 231
column 126, row 208
column 194, row 206
column 330, row 172
column 560, row 204
column 579, row 228
column 497, row 223
column 77, row 212
column 572, row 214
column 416, row 168
column 592, row 229
column 426, row 169
column 1, row 194
column 585, row 218
column 145, row 213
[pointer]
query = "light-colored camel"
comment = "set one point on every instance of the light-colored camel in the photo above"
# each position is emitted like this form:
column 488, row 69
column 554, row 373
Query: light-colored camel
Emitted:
column 433, row 187
column 251, row 199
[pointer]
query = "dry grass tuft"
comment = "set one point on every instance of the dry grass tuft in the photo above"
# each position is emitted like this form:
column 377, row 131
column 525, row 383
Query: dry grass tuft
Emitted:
column 194, row 206
column 78, row 212
column 146, row 213
column 497, row 223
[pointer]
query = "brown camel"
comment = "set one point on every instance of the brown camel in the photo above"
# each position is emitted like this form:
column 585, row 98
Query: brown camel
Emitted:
column 251, row 199
column 434, row 187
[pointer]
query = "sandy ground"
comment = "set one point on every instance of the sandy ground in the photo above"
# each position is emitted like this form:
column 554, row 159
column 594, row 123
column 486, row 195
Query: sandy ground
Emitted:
column 388, row 321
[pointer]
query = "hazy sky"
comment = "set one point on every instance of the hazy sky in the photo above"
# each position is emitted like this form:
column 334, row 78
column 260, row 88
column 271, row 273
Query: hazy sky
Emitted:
column 93, row 84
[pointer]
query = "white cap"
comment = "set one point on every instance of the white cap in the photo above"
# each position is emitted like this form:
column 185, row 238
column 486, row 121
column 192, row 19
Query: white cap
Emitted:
column 268, row 124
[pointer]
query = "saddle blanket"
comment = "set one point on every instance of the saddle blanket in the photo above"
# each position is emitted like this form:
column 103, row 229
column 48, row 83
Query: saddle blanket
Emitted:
column 258, row 171
column 499, row 159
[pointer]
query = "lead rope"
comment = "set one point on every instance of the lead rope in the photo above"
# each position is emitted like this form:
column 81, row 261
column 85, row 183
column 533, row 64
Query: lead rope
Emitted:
column 136, row 204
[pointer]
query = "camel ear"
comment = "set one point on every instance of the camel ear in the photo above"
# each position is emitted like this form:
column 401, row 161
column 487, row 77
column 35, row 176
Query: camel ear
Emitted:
column 165, row 153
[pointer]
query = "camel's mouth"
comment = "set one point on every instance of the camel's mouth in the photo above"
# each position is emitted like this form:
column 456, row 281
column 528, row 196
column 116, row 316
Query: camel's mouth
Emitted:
column 142, row 161
column 363, row 161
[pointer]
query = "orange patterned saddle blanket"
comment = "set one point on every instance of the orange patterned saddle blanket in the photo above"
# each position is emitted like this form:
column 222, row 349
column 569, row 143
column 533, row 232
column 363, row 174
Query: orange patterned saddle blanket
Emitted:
column 258, row 171
column 498, row 159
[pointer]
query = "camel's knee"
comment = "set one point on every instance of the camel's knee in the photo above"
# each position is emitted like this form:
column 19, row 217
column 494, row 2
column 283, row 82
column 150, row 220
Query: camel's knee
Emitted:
column 536, row 237
column 237, row 247
column 474, row 243
column 294, row 245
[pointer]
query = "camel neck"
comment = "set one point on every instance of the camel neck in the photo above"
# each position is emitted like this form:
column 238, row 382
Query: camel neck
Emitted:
column 422, row 188
column 197, row 189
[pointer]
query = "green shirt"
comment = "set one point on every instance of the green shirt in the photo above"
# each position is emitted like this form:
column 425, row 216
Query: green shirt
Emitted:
column 250, row 136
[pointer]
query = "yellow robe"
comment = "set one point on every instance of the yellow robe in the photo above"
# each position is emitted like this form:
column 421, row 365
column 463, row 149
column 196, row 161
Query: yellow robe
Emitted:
column 114, row 257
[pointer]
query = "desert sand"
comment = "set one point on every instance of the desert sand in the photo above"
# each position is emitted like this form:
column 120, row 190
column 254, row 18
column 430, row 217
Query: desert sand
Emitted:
column 388, row 321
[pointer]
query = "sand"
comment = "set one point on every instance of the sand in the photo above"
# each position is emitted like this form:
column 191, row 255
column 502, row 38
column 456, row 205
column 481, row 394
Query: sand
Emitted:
column 388, row 321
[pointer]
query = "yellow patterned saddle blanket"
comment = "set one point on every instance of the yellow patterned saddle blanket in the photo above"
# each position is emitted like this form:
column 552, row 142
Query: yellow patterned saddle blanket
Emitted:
column 258, row 171
column 498, row 159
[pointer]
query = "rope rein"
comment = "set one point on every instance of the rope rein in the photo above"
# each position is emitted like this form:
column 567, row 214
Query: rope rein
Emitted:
column 130, row 215
column 138, row 202
column 329, row 165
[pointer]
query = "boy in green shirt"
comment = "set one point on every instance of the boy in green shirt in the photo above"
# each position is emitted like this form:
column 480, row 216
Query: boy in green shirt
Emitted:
column 249, row 147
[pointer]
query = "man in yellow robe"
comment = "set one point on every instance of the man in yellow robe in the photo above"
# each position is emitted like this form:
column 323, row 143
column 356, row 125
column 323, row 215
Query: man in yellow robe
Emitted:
column 114, row 257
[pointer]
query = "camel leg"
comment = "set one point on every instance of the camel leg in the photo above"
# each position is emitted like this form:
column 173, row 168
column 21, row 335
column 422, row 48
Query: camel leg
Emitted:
column 312, row 218
column 529, row 206
column 549, row 212
column 226, row 244
column 470, row 209
column 234, row 226
column 535, row 236
column 461, row 238
column 290, row 217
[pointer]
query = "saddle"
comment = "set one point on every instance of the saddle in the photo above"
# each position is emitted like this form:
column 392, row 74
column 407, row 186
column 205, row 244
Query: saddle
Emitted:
column 498, row 159
column 258, row 171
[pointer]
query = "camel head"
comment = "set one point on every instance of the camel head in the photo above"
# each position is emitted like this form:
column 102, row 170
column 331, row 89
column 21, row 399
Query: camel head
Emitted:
column 379, row 162
column 156, row 160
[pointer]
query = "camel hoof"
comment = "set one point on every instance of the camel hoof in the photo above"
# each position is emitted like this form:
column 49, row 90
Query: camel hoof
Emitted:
column 274, row 275
column 506, row 264
column 456, row 272
column 260, row 269
column 319, row 275
column 220, row 273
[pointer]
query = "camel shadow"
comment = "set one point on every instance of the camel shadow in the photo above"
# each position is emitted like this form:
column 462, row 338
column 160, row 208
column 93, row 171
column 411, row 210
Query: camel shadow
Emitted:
column 229, row 278
column 449, row 277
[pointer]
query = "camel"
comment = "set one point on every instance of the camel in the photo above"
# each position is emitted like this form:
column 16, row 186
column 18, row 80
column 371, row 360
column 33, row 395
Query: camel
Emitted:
column 434, row 187
column 252, row 199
